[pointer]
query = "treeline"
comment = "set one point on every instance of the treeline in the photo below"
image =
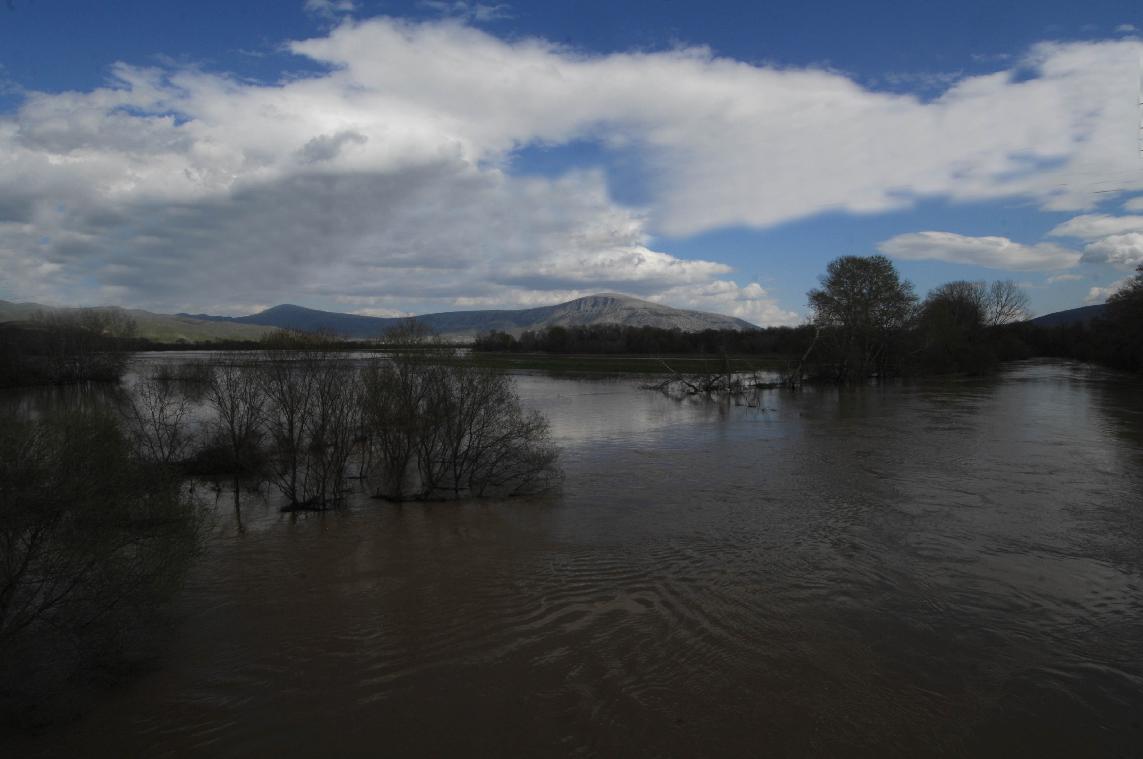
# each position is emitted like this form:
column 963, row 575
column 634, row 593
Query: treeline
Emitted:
column 866, row 321
column 90, row 345
column 869, row 322
column 618, row 339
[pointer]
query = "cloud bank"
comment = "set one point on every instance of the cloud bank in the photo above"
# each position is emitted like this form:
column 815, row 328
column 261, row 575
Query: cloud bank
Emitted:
column 990, row 252
column 386, row 176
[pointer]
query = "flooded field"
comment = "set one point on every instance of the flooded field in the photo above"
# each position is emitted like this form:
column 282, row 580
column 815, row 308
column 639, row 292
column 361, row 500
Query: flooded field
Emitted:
column 946, row 567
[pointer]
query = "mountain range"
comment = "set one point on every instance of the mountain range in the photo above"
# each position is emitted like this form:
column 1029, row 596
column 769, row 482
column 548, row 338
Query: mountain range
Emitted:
column 605, row 308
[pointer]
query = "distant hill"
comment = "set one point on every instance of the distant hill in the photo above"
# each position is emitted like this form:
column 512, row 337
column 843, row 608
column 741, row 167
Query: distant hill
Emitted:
column 161, row 328
column 1081, row 315
column 606, row 308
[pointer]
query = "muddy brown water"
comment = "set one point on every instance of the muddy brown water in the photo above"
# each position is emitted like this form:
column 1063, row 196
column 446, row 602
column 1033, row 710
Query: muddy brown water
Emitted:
column 946, row 567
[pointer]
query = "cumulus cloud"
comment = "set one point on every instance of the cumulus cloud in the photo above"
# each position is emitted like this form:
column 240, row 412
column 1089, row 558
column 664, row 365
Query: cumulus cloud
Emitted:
column 1134, row 204
column 1093, row 226
column 991, row 252
column 1101, row 294
column 751, row 302
column 1123, row 251
column 384, row 175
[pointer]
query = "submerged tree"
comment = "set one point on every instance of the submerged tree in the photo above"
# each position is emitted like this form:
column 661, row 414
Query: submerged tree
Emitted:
column 441, row 428
column 311, row 416
column 862, row 308
column 156, row 416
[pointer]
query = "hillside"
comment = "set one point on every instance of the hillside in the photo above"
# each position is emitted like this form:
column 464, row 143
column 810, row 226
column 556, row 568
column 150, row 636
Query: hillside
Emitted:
column 606, row 308
column 1081, row 315
column 161, row 328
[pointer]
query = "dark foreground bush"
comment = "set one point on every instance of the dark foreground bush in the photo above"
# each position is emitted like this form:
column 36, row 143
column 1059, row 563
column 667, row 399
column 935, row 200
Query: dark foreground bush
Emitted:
column 92, row 542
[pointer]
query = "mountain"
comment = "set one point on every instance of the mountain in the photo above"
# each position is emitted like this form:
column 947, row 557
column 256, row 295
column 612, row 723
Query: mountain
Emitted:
column 1081, row 315
column 606, row 308
column 161, row 328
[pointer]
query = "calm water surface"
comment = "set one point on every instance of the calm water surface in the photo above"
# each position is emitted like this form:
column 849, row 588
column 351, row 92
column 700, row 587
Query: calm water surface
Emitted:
column 940, row 568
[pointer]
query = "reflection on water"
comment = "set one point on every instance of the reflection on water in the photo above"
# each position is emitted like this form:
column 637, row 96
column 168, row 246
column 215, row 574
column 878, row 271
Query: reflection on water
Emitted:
column 946, row 567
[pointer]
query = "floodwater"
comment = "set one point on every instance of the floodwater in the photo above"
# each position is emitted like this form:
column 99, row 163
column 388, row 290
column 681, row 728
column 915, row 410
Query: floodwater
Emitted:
column 947, row 567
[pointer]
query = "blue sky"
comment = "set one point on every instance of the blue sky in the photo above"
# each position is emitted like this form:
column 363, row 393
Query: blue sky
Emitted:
column 403, row 157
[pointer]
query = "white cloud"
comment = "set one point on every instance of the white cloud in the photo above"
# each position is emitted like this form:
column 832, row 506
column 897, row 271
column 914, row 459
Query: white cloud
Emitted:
column 1134, row 204
column 1123, row 251
column 1101, row 294
column 1064, row 278
column 385, row 174
column 1125, row 28
column 1094, row 226
column 751, row 302
column 329, row 8
column 991, row 252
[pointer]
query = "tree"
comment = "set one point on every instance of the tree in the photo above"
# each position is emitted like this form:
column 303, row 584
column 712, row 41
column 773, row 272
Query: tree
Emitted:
column 311, row 415
column 950, row 329
column 439, row 428
column 1125, row 323
column 156, row 418
column 1003, row 303
column 862, row 307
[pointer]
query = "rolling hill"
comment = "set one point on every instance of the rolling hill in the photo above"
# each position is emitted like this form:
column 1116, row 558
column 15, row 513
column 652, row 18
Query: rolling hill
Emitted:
column 606, row 308
column 1081, row 315
column 161, row 328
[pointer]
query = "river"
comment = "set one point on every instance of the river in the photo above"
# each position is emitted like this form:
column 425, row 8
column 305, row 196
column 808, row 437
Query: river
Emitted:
column 941, row 567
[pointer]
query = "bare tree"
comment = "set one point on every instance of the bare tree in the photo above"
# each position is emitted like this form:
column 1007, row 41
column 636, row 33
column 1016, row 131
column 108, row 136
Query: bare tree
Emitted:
column 157, row 420
column 312, row 417
column 1004, row 303
column 444, row 429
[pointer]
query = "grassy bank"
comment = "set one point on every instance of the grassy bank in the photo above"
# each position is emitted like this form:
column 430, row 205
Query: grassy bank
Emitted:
column 623, row 364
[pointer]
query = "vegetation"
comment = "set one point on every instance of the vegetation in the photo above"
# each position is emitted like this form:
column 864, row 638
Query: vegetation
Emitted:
column 93, row 539
column 1115, row 339
column 866, row 322
column 615, row 340
column 437, row 429
column 61, row 348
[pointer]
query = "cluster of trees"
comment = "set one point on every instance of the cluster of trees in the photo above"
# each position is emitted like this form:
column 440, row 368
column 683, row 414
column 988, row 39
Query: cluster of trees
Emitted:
column 870, row 322
column 618, row 339
column 866, row 321
column 59, row 348
column 415, row 424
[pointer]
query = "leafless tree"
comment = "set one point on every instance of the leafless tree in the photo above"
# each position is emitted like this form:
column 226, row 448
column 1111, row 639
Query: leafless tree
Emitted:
column 444, row 429
column 311, row 414
column 156, row 416
column 1004, row 303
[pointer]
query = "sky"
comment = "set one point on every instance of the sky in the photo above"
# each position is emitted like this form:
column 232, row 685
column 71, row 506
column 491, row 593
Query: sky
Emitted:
column 392, row 158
